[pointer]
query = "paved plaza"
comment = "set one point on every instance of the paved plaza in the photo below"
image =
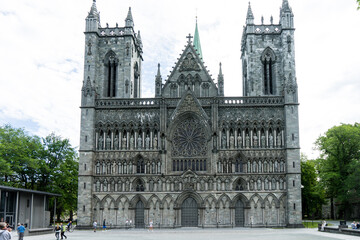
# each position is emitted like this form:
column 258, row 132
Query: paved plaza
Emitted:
column 198, row 234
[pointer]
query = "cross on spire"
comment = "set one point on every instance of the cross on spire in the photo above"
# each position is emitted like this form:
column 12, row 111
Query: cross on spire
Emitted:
column 189, row 37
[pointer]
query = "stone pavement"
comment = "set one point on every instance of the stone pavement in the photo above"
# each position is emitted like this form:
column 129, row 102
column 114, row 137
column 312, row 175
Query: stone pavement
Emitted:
column 198, row 234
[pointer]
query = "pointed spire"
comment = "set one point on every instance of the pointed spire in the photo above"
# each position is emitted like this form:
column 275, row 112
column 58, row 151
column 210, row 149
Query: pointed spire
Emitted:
column 285, row 6
column 249, row 16
column 158, row 71
column 93, row 11
column 197, row 44
column 220, row 81
column 286, row 15
column 129, row 22
column 138, row 36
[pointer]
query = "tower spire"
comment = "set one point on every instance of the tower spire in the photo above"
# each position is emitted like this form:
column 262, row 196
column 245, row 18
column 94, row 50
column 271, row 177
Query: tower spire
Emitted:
column 158, row 82
column 249, row 16
column 129, row 22
column 286, row 15
column 220, row 81
column 197, row 44
column 93, row 19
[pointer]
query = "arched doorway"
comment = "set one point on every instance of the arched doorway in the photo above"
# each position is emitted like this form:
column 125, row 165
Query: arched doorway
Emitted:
column 239, row 214
column 139, row 215
column 189, row 213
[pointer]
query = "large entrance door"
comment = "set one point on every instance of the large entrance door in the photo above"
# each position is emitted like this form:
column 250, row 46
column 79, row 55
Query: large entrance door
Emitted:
column 239, row 214
column 139, row 215
column 189, row 213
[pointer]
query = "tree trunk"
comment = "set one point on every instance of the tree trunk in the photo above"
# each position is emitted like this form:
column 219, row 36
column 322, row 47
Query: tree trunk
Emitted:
column 332, row 215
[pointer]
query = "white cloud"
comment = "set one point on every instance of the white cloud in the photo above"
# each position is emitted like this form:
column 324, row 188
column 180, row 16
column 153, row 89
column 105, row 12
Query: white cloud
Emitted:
column 42, row 48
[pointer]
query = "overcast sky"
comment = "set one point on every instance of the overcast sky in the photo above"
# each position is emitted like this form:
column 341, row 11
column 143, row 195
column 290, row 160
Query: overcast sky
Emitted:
column 42, row 47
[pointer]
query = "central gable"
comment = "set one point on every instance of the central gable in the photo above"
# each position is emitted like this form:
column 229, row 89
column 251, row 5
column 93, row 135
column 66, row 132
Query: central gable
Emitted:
column 189, row 72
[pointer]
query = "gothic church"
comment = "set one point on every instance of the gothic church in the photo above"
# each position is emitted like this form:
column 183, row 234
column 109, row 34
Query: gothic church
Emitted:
column 190, row 156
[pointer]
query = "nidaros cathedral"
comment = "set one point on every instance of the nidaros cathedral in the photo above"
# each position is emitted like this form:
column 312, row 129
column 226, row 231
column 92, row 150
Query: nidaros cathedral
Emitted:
column 190, row 156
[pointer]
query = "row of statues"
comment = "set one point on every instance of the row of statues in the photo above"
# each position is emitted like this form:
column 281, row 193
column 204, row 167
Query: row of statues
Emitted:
column 200, row 185
column 127, row 144
column 251, row 167
column 255, row 142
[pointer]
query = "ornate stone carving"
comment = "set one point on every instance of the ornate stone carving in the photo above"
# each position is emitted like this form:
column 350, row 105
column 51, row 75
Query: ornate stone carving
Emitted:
column 189, row 139
column 189, row 64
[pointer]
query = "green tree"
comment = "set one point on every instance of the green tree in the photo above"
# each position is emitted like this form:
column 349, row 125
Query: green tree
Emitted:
column 313, row 196
column 338, row 163
column 19, row 154
column 59, row 173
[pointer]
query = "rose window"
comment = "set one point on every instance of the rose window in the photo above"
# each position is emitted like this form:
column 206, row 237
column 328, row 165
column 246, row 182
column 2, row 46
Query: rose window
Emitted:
column 189, row 139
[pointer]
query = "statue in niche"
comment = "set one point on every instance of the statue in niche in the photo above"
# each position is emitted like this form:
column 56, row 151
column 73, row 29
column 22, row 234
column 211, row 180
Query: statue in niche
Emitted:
column 232, row 141
column 123, row 143
column 254, row 166
column 281, row 166
column 278, row 140
column 255, row 141
column 105, row 186
column 108, row 143
column 252, row 184
column 239, row 141
column 271, row 141
column 151, row 185
column 98, row 168
column 218, row 184
column 147, row 142
column 98, row 186
column 227, row 185
column 266, row 184
column 113, row 167
column 139, row 142
column 130, row 168
column 259, row 184
column 155, row 143
column 103, row 168
column 223, row 140
column 101, row 142
column 276, row 166
column 263, row 141
column 273, row 184
column 116, row 143
column 127, row 185
column 247, row 141
column 131, row 142
column 202, row 185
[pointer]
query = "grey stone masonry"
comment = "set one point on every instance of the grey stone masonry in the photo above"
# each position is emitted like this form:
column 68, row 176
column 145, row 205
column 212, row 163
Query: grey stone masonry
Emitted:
column 190, row 156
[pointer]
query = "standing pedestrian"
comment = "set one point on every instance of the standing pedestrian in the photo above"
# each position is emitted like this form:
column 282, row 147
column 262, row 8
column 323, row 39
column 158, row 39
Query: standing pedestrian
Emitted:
column 104, row 225
column 63, row 230
column 151, row 225
column 21, row 231
column 57, row 230
column 5, row 232
column 94, row 225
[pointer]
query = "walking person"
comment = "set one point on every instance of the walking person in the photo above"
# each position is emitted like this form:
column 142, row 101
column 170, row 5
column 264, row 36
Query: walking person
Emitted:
column 63, row 230
column 151, row 225
column 5, row 232
column 104, row 225
column 21, row 231
column 94, row 225
column 57, row 230
column 69, row 226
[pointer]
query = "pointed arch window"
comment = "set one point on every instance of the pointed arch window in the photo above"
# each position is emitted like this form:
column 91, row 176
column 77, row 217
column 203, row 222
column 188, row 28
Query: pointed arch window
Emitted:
column 140, row 167
column 110, row 63
column 268, row 60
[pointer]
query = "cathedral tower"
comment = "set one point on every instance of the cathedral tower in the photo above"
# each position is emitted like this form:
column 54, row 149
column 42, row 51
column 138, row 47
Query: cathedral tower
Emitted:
column 268, row 60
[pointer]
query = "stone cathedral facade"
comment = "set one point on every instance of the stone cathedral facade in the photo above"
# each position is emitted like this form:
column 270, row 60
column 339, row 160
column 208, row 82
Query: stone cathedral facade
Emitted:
column 190, row 156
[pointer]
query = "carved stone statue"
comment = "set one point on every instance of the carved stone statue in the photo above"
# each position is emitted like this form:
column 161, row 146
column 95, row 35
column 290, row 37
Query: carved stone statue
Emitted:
column 223, row 140
column 108, row 143
column 101, row 143
column 139, row 142
column 263, row 141
column 276, row 166
column 98, row 186
column 116, row 143
column 278, row 140
column 239, row 141
column 147, row 142
column 155, row 143
column 232, row 141
column 255, row 141
column 259, row 184
column 123, row 143
column 132, row 142
column 247, row 141
column 271, row 141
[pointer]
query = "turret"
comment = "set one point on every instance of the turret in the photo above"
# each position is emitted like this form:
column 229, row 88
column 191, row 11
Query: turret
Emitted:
column 93, row 19
column 221, row 82
column 158, row 82
column 249, row 16
column 129, row 22
column 286, row 15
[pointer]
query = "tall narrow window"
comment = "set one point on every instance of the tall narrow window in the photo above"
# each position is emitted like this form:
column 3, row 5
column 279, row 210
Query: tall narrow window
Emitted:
column 110, row 63
column 268, row 60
